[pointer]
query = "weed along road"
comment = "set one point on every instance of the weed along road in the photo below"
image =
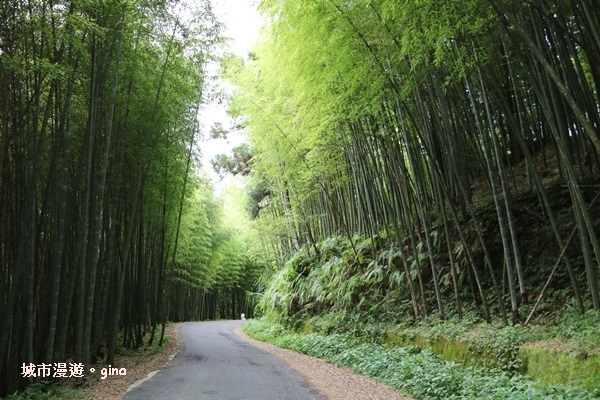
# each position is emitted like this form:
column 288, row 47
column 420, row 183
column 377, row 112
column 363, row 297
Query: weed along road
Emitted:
column 214, row 363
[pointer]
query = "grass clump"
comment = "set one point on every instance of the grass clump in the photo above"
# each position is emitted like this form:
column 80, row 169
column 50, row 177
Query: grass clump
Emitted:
column 146, row 350
column 47, row 390
column 581, row 330
column 419, row 373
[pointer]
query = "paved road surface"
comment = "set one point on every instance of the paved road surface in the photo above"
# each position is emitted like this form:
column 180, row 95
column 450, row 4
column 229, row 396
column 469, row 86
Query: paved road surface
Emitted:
column 214, row 363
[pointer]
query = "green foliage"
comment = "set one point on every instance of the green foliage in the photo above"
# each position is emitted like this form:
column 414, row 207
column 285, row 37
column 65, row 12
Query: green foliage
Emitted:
column 583, row 330
column 360, row 277
column 501, row 349
column 145, row 351
column 489, row 345
column 46, row 390
column 214, row 255
column 236, row 163
column 334, row 291
column 377, row 116
column 419, row 373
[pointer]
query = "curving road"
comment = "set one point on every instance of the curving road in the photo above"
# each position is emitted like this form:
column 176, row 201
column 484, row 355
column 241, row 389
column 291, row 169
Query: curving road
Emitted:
column 214, row 363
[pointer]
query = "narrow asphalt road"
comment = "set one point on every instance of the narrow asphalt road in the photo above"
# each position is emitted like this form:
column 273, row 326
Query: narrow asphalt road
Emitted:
column 214, row 363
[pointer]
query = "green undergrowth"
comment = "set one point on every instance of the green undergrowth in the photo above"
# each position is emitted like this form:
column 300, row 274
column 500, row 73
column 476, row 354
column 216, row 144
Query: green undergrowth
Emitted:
column 571, row 332
column 146, row 350
column 574, row 333
column 47, row 390
column 417, row 372
column 562, row 352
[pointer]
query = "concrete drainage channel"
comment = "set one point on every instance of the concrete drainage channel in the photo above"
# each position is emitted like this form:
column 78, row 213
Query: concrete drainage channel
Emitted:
column 545, row 365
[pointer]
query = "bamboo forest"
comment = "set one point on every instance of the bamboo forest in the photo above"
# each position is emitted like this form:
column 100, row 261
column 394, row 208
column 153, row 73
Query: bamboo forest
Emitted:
column 416, row 164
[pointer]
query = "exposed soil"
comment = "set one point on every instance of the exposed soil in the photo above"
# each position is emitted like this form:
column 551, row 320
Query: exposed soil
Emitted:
column 560, row 346
column 138, row 367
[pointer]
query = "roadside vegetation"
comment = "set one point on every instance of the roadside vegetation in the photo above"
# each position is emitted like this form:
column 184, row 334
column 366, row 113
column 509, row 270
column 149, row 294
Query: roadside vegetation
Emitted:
column 324, row 291
column 47, row 390
column 416, row 372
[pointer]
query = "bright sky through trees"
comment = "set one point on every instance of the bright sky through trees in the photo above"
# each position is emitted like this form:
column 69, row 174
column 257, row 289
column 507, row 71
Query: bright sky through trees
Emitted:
column 241, row 21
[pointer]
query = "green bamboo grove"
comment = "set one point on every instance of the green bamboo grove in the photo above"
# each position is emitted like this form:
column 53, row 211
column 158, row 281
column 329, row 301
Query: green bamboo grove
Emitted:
column 410, row 133
column 107, row 231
